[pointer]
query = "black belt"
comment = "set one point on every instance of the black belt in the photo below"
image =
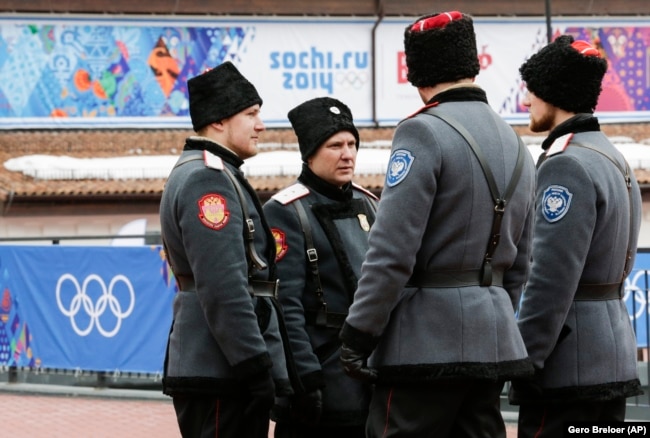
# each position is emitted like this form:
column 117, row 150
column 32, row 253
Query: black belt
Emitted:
column 460, row 278
column 263, row 288
column 185, row 282
column 325, row 319
column 258, row 288
column 599, row 292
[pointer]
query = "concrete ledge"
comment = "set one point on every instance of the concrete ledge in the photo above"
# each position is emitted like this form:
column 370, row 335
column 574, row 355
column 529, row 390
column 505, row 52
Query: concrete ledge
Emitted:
column 82, row 391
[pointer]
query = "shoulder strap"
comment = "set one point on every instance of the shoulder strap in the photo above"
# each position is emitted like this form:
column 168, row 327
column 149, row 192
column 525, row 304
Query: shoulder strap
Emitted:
column 499, row 200
column 249, row 229
column 628, row 183
column 370, row 197
column 373, row 203
column 482, row 160
column 312, row 258
column 188, row 158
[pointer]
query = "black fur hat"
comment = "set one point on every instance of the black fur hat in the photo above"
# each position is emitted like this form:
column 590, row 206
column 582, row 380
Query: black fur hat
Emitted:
column 567, row 74
column 441, row 48
column 316, row 120
column 218, row 94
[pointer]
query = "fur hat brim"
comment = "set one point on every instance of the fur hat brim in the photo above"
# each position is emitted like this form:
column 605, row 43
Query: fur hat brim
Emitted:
column 441, row 54
column 218, row 94
column 316, row 120
column 562, row 76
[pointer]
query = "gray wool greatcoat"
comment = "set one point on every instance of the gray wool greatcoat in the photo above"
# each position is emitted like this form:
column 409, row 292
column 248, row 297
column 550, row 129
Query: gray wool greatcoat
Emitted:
column 586, row 349
column 221, row 335
column 339, row 222
column 437, row 216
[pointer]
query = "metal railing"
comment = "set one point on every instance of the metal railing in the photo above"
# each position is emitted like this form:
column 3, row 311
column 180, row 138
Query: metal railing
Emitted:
column 152, row 238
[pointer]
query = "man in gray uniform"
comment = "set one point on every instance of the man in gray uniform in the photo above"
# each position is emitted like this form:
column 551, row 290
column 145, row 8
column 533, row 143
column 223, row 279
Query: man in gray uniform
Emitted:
column 572, row 318
column 225, row 361
column 449, row 253
column 321, row 226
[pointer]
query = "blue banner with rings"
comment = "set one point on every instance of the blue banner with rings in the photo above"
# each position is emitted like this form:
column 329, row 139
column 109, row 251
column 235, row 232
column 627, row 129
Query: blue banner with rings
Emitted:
column 85, row 308
column 110, row 308
column 637, row 287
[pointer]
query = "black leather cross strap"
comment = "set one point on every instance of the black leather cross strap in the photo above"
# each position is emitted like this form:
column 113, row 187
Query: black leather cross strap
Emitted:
column 249, row 229
column 185, row 282
column 625, row 171
column 249, row 226
column 499, row 200
column 320, row 318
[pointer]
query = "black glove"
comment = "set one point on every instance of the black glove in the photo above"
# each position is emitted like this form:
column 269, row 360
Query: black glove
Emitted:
column 281, row 409
column 355, row 366
column 307, row 407
column 526, row 389
column 262, row 393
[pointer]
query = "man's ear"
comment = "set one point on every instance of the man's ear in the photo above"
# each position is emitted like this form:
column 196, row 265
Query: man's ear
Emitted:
column 219, row 126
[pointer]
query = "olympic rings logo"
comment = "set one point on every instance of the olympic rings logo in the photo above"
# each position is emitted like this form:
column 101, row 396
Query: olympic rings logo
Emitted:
column 352, row 79
column 95, row 310
column 638, row 294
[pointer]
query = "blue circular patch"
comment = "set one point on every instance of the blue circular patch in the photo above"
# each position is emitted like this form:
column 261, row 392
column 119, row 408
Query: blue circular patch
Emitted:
column 398, row 167
column 555, row 203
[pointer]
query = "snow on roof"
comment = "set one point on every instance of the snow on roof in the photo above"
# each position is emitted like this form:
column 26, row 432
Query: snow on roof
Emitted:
column 371, row 160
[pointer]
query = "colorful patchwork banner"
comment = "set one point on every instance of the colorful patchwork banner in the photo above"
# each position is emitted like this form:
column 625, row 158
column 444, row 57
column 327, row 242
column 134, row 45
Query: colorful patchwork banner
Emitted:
column 131, row 72
column 97, row 72
column 503, row 46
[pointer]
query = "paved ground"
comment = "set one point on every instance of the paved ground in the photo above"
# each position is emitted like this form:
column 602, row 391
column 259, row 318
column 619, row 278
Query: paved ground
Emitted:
column 51, row 411
column 57, row 412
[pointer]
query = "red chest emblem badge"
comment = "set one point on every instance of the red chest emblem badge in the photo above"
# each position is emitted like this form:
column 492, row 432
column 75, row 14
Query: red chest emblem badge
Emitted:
column 281, row 246
column 213, row 211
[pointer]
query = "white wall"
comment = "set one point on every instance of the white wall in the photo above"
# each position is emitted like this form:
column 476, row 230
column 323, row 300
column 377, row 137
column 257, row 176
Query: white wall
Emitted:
column 62, row 226
column 644, row 236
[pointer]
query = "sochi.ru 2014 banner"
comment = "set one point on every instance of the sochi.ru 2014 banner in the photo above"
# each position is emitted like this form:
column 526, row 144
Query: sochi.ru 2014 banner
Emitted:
column 85, row 308
column 119, row 71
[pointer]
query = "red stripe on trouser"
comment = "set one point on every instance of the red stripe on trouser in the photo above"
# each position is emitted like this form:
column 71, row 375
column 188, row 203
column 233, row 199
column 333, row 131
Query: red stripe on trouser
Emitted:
column 541, row 425
column 390, row 397
column 216, row 418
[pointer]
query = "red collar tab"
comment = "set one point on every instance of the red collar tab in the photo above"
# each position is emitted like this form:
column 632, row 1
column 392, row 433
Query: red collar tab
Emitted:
column 424, row 108
column 559, row 145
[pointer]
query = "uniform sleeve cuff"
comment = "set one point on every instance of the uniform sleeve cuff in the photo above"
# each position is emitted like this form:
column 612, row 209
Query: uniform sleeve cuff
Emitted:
column 358, row 340
column 253, row 365
column 313, row 381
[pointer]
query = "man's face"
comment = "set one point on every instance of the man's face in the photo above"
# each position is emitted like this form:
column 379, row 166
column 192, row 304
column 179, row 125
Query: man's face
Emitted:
column 242, row 132
column 335, row 159
column 542, row 114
